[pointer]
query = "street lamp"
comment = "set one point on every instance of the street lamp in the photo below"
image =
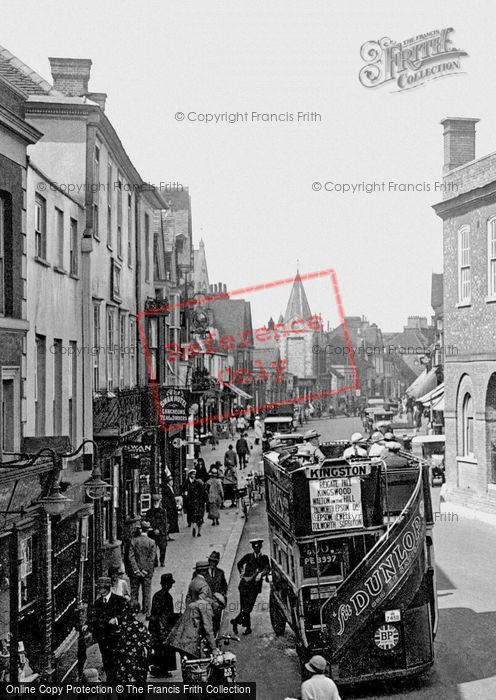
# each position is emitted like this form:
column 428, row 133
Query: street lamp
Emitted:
column 95, row 486
column 55, row 502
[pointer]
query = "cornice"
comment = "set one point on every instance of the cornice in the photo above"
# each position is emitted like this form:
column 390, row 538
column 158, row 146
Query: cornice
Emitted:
column 467, row 200
column 18, row 126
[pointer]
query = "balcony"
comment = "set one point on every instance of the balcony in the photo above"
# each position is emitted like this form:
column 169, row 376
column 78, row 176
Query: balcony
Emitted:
column 117, row 413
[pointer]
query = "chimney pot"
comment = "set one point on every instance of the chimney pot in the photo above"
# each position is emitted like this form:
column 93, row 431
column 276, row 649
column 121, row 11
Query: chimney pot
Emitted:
column 459, row 141
column 71, row 75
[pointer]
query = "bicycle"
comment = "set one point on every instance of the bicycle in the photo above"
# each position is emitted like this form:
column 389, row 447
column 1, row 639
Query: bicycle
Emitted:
column 214, row 668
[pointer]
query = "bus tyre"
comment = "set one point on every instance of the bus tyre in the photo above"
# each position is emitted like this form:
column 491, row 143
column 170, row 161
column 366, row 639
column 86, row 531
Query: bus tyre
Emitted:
column 277, row 619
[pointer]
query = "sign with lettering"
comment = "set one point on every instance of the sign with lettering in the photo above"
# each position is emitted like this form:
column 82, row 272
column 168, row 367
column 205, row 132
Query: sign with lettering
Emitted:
column 335, row 504
column 329, row 561
column 278, row 501
column 393, row 569
column 174, row 403
column 339, row 471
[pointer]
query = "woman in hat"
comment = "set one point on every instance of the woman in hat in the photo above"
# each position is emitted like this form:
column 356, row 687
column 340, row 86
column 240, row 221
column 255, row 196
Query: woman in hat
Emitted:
column 120, row 582
column 170, row 506
column 131, row 648
column 194, row 501
column 215, row 495
column 162, row 620
column 318, row 685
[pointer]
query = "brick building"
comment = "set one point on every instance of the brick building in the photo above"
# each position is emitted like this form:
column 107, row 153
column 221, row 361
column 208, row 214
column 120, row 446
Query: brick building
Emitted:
column 468, row 211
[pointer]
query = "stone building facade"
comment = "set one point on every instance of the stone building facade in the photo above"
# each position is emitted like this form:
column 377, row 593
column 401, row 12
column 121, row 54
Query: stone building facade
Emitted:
column 468, row 211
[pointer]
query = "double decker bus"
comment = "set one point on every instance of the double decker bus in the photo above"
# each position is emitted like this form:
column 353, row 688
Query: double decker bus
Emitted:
column 352, row 558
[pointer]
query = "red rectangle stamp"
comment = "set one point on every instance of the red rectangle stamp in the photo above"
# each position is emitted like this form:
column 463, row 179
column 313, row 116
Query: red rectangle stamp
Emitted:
column 219, row 333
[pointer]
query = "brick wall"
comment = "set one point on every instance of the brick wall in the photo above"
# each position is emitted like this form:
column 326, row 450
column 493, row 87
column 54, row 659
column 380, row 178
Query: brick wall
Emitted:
column 472, row 329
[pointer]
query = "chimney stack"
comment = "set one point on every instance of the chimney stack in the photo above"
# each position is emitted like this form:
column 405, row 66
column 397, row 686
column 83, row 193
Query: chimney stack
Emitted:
column 71, row 75
column 99, row 97
column 459, row 141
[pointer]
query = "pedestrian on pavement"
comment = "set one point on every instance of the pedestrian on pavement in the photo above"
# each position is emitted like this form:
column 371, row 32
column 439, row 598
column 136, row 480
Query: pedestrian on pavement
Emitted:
column 214, row 576
column 102, row 620
column 230, row 458
column 355, row 450
column 170, row 506
column 258, row 430
column 217, row 583
column 198, row 583
column 215, row 495
column 157, row 517
column 230, row 484
column 194, row 502
column 201, row 469
column 242, row 450
column 132, row 648
column 194, row 625
column 218, row 607
column 142, row 553
column 232, row 427
column 253, row 567
column 120, row 582
column 162, row 620
column 241, row 424
column 319, row 686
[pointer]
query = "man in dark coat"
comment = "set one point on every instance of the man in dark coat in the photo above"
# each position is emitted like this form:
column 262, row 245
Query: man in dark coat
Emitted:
column 216, row 579
column 253, row 567
column 214, row 576
column 194, row 498
column 157, row 517
column 102, row 620
column 243, row 450
column 142, row 553
column 162, row 620
column 170, row 505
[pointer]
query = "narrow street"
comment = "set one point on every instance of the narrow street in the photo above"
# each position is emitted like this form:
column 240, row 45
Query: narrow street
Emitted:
column 464, row 669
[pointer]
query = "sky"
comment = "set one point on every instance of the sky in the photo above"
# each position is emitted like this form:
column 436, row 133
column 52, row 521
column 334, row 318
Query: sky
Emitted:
column 251, row 181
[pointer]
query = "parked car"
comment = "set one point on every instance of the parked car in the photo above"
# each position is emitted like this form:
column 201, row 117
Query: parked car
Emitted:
column 432, row 448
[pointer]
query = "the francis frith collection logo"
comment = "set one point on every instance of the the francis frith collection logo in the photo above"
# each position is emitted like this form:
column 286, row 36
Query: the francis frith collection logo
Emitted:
column 412, row 62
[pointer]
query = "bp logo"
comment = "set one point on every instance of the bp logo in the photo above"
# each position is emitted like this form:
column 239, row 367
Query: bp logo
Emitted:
column 386, row 637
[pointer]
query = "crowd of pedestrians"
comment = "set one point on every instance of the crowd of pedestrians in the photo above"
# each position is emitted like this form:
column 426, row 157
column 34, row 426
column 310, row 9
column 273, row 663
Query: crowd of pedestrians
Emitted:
column 137, row 634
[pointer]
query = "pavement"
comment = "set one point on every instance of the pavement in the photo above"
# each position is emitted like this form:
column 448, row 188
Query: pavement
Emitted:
column 185, row 550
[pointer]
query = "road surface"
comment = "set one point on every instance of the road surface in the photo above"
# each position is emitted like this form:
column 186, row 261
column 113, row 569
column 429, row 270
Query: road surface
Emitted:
column 465, row 667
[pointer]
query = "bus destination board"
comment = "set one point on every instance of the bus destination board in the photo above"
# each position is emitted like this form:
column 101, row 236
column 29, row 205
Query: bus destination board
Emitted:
column 335, row 504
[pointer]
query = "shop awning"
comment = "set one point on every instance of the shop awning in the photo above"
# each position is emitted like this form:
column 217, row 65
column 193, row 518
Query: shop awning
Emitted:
column 432, row 395
column 439, row 404
column 425, row 382
column 239, row 392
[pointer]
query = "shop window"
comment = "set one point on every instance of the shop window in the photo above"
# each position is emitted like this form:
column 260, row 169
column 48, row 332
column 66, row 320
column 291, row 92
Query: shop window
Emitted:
column 28, row 589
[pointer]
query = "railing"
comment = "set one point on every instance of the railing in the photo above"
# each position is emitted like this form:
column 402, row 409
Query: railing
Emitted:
column 119, row 412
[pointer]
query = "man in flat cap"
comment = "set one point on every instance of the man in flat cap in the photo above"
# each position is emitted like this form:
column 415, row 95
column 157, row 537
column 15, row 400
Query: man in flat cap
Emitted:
column 102, row 619
column 157, row 517
column 198, row 584
column 253, row 567
column 142, row 553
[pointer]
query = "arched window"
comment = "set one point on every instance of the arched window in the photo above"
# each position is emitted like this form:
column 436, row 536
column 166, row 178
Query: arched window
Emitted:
column 491, row 258
column 468, row 426
column 464, row 274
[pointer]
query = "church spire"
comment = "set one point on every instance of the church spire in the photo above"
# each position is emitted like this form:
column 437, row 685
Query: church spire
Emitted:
column 298, row 306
